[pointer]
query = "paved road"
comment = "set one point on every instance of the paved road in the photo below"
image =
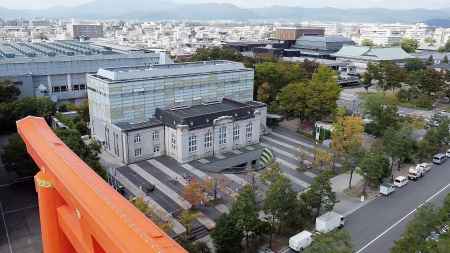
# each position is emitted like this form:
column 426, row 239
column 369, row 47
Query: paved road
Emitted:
column 375, row 227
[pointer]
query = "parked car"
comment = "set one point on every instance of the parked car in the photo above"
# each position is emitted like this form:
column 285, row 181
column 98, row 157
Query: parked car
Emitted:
column 400, row 181
column 387, row 188
column 448, row 152
column 439, row 158
column 300, row 241
column 425, row 166
column 415, row 173
column 329, row 221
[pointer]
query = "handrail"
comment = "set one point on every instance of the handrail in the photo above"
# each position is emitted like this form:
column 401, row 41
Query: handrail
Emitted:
column 92, row 216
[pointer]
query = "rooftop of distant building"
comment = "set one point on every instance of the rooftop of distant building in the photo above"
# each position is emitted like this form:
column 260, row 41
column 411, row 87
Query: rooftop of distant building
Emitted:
column 168, row 70
column 11, row 52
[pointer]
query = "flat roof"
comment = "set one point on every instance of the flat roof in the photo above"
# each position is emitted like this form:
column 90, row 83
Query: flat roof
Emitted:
column 168, row 70
column 60, row 50
column 203, row 115
column 131, row 126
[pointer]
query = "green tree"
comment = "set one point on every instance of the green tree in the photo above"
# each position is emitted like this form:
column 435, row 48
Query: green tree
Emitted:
column 279, row 204
column 216, row 53
column 367, row 43
column 410, row 45
column 16, row 159
column 414, row 65
column 320, row 196
column 414, row 238
column 186, row 219
column 429, row 81
column 8, row 91
column 383, row 113
column 87, row 152
column 398, row 144
column 430, row 41
column 34, row 106
column 227, row 236
column 311, row 100
column 338, row 241
column 373, row 167
column 245, row 212
column 393, row 76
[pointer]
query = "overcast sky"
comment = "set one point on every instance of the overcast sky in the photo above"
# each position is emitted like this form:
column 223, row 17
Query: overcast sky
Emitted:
column 403, row 4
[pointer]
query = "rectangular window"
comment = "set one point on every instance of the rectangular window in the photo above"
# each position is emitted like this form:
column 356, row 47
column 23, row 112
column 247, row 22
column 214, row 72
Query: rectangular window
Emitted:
column 138, row 152
column 192, row 143
column 236, row 133
column 222, row 135
column 155, row 136
column 208, row 140
column 156, row 149
column 249, row 130
column 173, row 141
column 137, row 138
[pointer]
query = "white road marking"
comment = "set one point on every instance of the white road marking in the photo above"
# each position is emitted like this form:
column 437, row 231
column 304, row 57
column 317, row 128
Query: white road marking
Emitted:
column 402, row 219
column 236, row 179
column 283, row 144
column 195, row 171
column 296, row 180
column 310, row 174
column 163, row 168
column 170, row 193
column 282, row 152
column 302, row 143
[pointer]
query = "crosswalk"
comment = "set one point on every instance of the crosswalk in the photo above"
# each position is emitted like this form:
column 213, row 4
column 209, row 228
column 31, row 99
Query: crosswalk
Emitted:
column 170, row 178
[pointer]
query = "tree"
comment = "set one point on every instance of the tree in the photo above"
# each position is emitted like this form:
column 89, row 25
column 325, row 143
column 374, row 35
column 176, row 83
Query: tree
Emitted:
column 227, row 235
column 398, row 144
column 15, row 157
column 367, row 43
column 346, row 140
column 414, row 238
column 430, row 41
column 193, row 193
column 186, row 219
column 429, row 81
column 87, row 152
column 271, row 174
column 263, row 93
column 8, row 91
column 323, row 160
column 410, row 45
column 279, row 204
column 320, row 196
column 245, row 212
column 216, row 53
column 337, row 241
column 311, row 100
column 373, row 167
column 445, row 60
column 393, row 76
column 414, row 65
column 383, row 113
column 34, row 106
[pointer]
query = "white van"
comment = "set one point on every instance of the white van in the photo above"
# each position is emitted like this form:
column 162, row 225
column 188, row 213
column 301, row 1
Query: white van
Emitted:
column 329, row 221
column 300, row 241
column 439, row 158
column 400, row 181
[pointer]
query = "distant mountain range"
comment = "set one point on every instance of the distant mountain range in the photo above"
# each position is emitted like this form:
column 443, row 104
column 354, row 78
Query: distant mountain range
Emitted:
column 167, row 10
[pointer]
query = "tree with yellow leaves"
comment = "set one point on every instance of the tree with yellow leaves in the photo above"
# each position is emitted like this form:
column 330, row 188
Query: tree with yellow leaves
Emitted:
column 347, row 137
column 193, row 192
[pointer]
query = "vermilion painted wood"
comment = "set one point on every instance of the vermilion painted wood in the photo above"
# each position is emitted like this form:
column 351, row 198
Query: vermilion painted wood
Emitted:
column 79, row 211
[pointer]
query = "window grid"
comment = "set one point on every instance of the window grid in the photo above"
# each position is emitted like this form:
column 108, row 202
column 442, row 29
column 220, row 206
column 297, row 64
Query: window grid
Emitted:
column 222, row 135
column 192, row 145
column 208, row 139
column 138, row 152
column 137, row 138
column 249, row 130
column 236, row 133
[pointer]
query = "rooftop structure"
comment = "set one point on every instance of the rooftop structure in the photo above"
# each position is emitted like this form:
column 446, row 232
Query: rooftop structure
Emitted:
column 203, row 115
column 293, row 33
column 58, row 69
column 372, row 54
column 326, row 44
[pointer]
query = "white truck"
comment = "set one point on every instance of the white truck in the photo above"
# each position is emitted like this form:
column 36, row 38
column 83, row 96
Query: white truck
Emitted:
column 300, row 241
column 415, row 173
column 387, row 188
column 329, row 222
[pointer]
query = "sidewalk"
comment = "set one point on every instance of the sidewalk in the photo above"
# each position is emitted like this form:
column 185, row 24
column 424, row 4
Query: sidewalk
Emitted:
column 347, row 204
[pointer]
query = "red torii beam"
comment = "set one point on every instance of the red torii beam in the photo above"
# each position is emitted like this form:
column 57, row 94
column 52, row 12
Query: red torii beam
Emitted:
column 79, row 211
